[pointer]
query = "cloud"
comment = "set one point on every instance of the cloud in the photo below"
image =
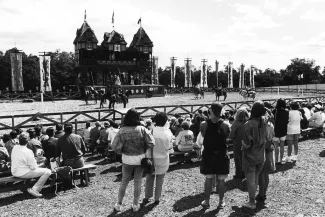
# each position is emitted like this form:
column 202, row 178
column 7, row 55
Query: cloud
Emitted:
column 287, row 38
column 293, row 6
column 313, row 15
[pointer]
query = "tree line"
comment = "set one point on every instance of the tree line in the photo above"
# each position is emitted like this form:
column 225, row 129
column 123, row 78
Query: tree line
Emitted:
column 63, row 73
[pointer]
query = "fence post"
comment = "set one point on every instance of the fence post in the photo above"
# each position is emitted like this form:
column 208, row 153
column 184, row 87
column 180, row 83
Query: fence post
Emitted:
column 98, row 115
column 13, row 121
column 114, row 115
column 61, row 118
column 75, row 126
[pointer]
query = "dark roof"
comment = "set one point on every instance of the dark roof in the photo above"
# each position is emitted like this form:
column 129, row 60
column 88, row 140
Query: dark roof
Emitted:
column 141, row 38
column 81, row 36
column 113, row 38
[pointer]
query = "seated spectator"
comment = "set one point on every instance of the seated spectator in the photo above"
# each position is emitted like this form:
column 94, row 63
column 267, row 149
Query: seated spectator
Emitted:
column 184, row 140
column 33, row 143
column 195, row 127
column 12, row 142
column 4, row 159
column 59, row 132
column 38, row 133
column 316, row 119
column 24, row 166
column 94, row 136
column 177, row 127
column 5, row 138
column 86, row 133
column 231, row 120
column 306, row 110
column 149, row 125
column 171, row 124
column 103, row 143
column 49, row 145
column 72, row 148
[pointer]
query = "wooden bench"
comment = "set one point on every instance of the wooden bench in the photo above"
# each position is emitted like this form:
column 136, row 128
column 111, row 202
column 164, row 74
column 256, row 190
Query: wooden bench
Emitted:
column 22, row 183
column 311, row 132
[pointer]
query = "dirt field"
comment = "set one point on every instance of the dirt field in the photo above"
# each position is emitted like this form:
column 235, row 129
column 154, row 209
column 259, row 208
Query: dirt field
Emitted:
column 18, row 108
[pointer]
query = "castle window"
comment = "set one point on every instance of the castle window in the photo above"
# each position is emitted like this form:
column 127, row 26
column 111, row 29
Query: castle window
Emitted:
column 117, row 48
column 89, row 46
column 145, row 49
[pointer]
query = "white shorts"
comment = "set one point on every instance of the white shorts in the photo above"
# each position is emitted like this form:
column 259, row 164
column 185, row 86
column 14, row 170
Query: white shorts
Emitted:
column 277, row 139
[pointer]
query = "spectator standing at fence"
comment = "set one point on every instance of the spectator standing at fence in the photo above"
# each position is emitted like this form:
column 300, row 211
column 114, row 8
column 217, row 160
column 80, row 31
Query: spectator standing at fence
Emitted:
column 163, row 140
column 24, row 166
column 12, row 142
column 94, row 136
column 281, row 120
column 294, row 130
column 254, row 149
column 237, row 134
column 59, row 131
column 71, row 147
column 215, row 159
column 132, row 141
column 269, row 165
column 50, row 145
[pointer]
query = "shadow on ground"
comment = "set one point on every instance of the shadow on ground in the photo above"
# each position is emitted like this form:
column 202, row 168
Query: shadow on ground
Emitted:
column 183, row 204
column 142, row 212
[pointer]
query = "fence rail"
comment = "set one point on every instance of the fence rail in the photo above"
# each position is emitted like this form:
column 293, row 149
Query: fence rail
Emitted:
column 79, row 117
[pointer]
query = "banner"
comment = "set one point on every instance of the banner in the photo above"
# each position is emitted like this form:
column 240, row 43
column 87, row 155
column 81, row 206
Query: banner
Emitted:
column 217, row 72
column 45, row 73
column 242, row 76
column 173, row 71
column 16, row 72
column 204, row 76
column 230, row 75
column 188, row 79
column 154, row 75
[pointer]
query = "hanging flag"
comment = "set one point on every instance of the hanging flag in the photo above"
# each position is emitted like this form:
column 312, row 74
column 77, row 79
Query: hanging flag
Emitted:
column 16, row 72
column 113, row 18
column 188, row 81
column 204, row 75
column 139, row 21
column 172, row 71
column 45, row 73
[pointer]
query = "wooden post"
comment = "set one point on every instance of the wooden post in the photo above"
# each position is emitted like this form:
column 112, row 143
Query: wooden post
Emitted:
column 98, row 115
column 61, row 118
column 114, row 115
column 13, row 121
column 75, row 126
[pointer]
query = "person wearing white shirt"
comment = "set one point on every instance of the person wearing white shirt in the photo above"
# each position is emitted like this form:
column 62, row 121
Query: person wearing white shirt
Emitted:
column 163, row 143
column 24, row 166
column 307, row 111
column 293, row 130
column 316, row 119
column 184, row 140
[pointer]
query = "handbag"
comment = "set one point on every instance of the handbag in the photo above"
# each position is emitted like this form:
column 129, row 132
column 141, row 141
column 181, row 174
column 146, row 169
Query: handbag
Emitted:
column 147, row 163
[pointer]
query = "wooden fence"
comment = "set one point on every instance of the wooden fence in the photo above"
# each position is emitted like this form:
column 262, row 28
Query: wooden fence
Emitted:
column 80, row 117
column 37, row 96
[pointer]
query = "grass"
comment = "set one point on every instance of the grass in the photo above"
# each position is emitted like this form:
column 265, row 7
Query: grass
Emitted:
column 296, row 189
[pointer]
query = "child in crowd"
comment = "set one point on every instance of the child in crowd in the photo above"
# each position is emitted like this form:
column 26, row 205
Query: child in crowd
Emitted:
column 184, row 140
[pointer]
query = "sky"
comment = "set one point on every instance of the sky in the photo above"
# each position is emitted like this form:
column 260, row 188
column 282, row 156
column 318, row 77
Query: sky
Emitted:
column 263, row 33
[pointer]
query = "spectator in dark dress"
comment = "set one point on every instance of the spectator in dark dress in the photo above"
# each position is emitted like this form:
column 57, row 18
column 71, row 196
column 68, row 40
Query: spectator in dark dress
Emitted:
column 281, row 120
column 304, row 121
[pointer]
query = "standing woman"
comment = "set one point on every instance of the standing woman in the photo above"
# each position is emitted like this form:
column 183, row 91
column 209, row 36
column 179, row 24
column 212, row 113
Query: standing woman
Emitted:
column 293, row 130
column 132, row 141
column 163, row 143
column 281, row 119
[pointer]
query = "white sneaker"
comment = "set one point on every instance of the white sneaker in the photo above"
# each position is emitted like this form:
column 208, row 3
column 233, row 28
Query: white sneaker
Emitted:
column 117, row 207
column 34, row 193
column 294, row 158
column 289, row 159
column 136, row 208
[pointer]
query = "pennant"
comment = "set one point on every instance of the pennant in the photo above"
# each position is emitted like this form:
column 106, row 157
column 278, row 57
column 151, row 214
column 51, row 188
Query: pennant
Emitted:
column 113, row 18
column 139, row 21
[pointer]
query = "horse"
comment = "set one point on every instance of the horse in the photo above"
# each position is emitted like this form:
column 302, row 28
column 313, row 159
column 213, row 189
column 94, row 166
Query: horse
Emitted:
column 198, row 93
column 115, row 97
column 248, row 94
column 221, row 92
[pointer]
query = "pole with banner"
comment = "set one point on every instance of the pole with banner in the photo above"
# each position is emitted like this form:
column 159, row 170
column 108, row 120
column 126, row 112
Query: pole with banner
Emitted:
column 45, row 75
column 188, row 79
column 172, row 71
column 16, row 60
column 204, row 75
column 230, row 75
column 217, row 72
column 155, row 76
column 242, row 76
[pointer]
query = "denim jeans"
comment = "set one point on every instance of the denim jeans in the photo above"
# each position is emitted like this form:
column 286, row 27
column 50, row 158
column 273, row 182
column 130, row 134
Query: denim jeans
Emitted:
column 126, row 176
column 43, row 173
column 150, row 179
column 74, row 163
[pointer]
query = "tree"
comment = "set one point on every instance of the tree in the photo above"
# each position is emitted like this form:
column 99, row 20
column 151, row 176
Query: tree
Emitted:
column 299, row 67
